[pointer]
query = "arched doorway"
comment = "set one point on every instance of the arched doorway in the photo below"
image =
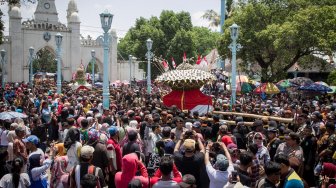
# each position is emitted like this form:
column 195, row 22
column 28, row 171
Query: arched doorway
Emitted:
column 44, row 61
column 97, row 70
column 44, row 65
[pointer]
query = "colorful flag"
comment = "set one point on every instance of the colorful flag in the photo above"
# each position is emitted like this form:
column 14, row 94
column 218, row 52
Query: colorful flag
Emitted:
column 184, row 57
column 199, row 59
column 173, row 63
column 165, row 65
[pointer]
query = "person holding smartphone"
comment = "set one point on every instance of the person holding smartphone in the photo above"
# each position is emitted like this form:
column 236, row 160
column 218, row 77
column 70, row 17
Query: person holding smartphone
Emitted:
column 223, row 167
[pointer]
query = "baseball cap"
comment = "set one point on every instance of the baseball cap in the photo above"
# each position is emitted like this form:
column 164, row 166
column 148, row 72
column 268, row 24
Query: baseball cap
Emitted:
column 189, row 145
column 272, row 129
column 87, row 151
column 187, row 181
column 196, row 124
column 221, row 162
column 32, row 139
column 113, row 130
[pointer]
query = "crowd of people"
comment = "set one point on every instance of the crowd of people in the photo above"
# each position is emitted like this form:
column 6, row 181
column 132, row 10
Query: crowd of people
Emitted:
column 70, row 140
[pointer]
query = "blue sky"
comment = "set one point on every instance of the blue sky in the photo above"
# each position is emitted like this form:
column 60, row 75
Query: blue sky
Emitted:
column 125, row 12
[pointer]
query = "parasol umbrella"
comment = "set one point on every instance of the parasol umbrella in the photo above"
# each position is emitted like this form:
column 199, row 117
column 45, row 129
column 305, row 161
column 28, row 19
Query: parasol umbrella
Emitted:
column 11, row 115
column 268, row 88
column 286, row 83
column 333, row 89
column 315, row 87
column 281, row 88
column 301, row 81
column 322, row 83
column 245, row 87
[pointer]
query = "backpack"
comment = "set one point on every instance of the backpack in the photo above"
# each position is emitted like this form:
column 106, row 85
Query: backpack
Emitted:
column 91, row 170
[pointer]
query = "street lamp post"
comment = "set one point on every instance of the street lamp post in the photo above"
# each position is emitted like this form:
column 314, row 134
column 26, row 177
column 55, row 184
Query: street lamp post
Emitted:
column 149, row 55
column 58, row 40
column 234, row 46
column 3, row 62
column 106, row 21
column 93, row 55
column 296, row 72
column 130, row 57
column 31, row 76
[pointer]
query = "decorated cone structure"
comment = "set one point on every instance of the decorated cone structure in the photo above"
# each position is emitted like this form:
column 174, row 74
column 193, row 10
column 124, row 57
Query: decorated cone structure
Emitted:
column 186, row 82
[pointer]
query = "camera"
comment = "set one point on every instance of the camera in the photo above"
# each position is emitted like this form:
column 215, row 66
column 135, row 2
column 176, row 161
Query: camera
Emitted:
column 234, row 176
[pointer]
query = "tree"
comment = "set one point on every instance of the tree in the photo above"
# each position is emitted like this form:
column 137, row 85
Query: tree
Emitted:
column 277, row 34
column 214, row 18
column 332, row 78
column 89, row 68
column 172, row 34
column 44, row 62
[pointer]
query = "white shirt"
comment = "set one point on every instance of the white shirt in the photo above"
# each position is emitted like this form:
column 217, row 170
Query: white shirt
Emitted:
column 4, row 139
column 72, row 154
column 218, row 178
column 153, row 138
column 6, row 181
column 166, row 184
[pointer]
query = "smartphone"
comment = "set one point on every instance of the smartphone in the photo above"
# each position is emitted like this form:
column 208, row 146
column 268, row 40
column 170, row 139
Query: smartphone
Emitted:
column 332, row 180
column 234, row 176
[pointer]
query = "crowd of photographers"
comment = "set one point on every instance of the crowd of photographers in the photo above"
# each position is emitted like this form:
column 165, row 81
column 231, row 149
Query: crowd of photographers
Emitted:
column 70, row 140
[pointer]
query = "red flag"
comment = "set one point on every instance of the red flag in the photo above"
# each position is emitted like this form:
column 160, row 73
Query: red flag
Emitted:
column 184, row 57
column 173, row 63
column 198, row 60
column 165, row 65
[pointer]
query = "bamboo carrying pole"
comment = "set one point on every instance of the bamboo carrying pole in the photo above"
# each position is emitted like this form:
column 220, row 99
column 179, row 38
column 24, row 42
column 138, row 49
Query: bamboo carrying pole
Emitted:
column 279, row 119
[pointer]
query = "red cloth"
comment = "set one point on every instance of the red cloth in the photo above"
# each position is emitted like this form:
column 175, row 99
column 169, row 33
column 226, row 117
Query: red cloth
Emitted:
column 130, row 166
column 189, row 99
column 329, row 170
column 227, row 140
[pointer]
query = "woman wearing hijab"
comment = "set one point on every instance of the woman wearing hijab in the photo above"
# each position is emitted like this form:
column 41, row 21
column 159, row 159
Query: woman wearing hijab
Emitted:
column 38, row 172
column 73, row 146
column 59, row 175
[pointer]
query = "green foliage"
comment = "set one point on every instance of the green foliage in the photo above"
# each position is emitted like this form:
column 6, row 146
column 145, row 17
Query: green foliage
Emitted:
column 332, row 78
column 172, row 35
column 275, row 34
column 44, row 62
column 89, row 68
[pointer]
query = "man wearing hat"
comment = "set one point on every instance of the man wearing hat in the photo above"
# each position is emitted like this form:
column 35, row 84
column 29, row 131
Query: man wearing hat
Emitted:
column 274, row 141
column 190, row 162
column 85, row 167
column 32, row 144
column 219, row 174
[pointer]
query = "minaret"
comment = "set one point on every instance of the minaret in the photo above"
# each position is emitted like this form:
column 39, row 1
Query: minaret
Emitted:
column 15, row 66
column 74, row 26
column 46, row 12
column 72, row 7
